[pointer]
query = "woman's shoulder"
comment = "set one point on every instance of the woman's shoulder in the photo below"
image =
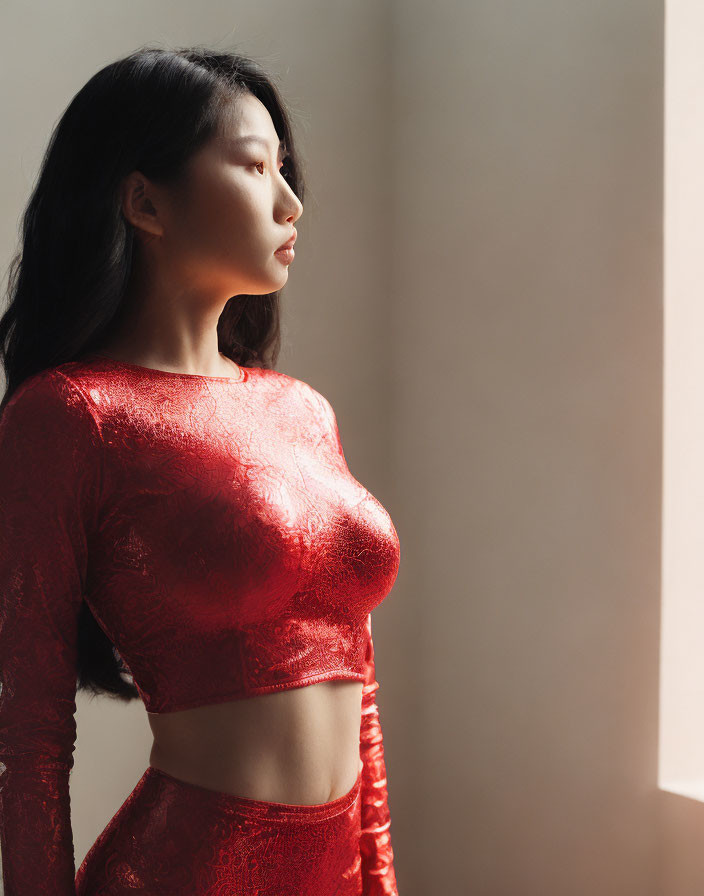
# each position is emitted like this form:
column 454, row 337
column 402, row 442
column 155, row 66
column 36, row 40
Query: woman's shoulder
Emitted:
column 51, row 447
column 312, row 398
column 49, row 401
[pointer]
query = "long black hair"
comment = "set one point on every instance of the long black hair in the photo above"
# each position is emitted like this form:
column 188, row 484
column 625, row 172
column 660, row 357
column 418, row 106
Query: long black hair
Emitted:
column 149, row 111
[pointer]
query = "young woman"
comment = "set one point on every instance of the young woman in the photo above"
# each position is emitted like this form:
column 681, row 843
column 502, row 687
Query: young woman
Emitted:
column 179, row 524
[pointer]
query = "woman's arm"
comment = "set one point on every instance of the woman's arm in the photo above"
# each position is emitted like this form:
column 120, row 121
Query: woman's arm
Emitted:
column 378, row 876
column 50, row 450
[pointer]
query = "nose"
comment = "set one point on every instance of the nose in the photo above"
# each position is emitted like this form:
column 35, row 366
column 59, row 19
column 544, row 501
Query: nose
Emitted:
column 295, row 215
column 294, row 204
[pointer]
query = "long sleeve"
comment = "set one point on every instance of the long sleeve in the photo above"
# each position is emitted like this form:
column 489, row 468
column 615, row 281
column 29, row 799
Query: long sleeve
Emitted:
column 50, row 455
column 378, row 875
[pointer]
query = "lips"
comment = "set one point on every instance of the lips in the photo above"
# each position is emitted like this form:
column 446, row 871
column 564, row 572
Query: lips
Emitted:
column 289, row 243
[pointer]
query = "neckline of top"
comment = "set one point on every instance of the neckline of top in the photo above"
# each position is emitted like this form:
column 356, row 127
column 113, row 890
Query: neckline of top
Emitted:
column 244, row 375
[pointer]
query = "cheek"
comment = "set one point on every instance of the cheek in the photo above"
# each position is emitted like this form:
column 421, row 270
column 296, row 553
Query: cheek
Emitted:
column 215, row 221
column 229, row 211
column 221, row 218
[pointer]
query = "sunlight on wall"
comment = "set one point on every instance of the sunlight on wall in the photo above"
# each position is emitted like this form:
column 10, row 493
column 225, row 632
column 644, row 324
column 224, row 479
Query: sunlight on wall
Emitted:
column 681, row 759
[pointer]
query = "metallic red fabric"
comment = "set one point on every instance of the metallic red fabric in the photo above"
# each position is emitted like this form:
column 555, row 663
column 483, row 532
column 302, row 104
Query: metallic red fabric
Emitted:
column 215, row 531
column 378, row 876
column 173, row 838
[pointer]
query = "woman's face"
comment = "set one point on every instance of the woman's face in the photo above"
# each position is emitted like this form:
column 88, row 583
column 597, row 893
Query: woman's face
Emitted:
column 224, row 222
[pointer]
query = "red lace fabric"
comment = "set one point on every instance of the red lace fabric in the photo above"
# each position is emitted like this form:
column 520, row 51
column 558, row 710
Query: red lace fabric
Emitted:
column 214, row 530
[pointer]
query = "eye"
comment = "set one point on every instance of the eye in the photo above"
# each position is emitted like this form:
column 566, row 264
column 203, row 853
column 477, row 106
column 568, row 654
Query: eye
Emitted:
column 283, row 164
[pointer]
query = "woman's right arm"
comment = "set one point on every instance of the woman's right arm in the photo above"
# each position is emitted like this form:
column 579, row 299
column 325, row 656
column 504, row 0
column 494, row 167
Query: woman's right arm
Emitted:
column 50, row 462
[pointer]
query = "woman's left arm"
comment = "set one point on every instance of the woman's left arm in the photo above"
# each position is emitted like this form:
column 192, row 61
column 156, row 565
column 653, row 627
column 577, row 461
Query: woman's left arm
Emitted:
column 378, row 875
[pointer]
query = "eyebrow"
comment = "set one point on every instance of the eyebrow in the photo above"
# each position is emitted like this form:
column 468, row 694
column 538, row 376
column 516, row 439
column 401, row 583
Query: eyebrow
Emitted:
column 253, row 138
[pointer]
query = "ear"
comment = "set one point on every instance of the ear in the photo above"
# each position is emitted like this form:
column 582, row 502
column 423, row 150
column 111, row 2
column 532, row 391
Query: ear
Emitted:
column 139, row 203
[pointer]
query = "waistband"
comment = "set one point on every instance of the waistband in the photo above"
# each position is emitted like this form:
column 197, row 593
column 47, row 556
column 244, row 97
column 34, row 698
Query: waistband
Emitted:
column 261, row 809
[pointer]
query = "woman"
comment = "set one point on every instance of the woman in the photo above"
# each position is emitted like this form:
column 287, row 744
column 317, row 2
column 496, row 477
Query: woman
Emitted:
column 179, row 522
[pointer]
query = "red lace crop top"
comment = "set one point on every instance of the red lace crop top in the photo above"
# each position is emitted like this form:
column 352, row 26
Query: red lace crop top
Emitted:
column 213, row 528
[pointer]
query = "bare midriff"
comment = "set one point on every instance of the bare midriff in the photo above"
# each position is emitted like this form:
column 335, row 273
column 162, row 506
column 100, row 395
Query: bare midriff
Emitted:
column 296, row 746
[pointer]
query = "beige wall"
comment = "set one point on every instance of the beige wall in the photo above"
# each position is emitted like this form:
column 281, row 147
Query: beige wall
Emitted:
column 527, row 395
column 479, row 293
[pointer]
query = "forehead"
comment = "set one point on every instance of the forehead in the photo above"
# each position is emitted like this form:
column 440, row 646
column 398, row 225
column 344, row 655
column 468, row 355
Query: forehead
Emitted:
column 246, row 123
column 254, row 140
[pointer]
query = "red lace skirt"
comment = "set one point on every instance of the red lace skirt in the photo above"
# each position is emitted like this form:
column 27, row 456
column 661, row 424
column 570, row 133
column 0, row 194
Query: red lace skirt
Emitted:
column 173, row 838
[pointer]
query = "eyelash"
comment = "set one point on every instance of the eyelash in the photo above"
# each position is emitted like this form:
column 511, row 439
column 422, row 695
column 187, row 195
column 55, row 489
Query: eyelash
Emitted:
column 256, row 164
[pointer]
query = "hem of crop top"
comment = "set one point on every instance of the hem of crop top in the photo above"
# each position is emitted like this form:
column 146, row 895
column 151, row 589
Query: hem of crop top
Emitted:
column 251, row 692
